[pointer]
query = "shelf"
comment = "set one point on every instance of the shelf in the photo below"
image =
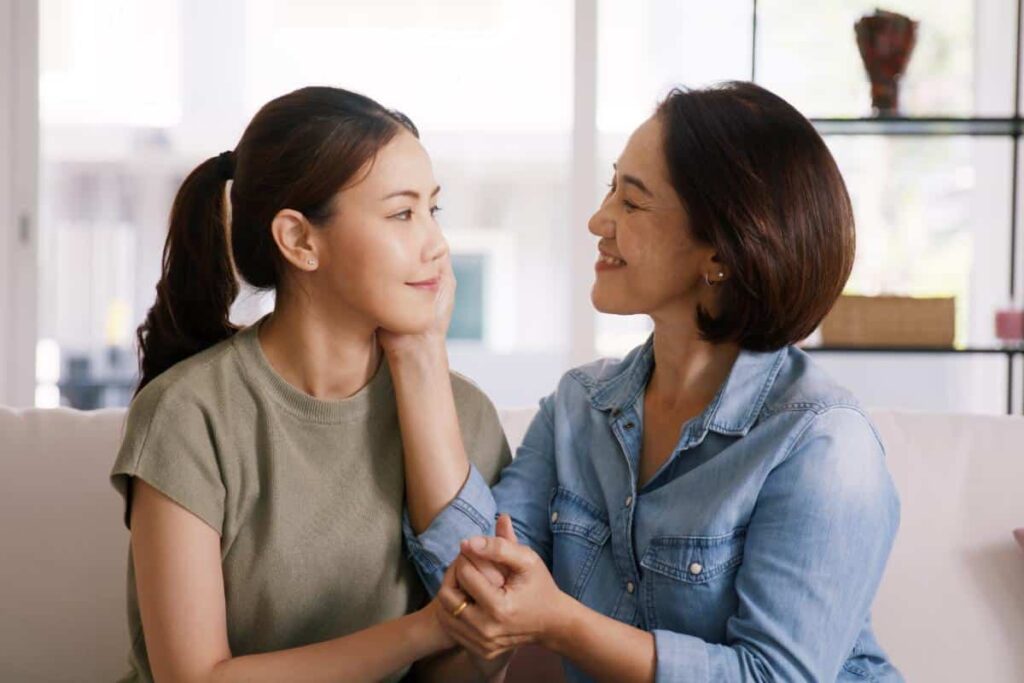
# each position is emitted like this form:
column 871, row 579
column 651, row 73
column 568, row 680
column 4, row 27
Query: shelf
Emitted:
column 1009, row 351
column 912, row 126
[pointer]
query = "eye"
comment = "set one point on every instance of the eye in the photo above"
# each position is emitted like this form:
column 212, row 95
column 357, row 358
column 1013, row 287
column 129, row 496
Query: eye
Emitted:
column 402, row 215
column 630, row 206
column 434, row 210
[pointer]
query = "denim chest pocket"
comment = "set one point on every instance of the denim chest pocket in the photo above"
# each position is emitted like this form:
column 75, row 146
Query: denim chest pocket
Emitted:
column 579, row 532
column 689, row 584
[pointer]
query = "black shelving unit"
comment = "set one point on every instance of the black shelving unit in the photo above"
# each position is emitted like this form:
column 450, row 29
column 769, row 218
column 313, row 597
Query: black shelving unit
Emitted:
column 1008, row 352
column 915, row 127
column 1010, row 127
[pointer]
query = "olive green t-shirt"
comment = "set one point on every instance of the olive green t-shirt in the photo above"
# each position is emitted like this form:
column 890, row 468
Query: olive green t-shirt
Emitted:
column 307, row 495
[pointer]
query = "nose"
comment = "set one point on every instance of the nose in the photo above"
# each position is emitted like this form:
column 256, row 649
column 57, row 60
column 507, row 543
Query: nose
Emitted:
column 436, row 246
column 601, row 224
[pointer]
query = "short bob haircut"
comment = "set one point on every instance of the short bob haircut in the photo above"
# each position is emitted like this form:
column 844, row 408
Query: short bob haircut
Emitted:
column 761, row 187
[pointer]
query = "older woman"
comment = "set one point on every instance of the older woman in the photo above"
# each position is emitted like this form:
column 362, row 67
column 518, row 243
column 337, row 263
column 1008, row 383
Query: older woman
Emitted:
column 713, row 507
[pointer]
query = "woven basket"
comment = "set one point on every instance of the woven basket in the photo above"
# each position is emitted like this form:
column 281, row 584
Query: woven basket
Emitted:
column 890, row 321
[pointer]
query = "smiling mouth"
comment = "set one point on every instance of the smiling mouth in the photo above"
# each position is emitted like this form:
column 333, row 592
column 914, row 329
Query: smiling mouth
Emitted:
column 605, row 259
column 426, row 284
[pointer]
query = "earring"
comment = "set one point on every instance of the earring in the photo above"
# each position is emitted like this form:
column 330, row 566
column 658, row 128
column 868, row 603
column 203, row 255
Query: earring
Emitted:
column 310, row 262
column 707, row 278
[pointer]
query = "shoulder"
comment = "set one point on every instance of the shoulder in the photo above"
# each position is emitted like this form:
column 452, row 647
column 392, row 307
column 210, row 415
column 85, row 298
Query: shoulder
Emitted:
column 183, row 391
column 469, row 397
column 815, row 407
column 606, row 382
column 803, row 386
column 480, row 424
column 832, row 448
column 596, row 374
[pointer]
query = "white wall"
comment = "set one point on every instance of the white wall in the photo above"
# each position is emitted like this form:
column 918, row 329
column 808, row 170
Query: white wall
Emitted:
column 18, row 204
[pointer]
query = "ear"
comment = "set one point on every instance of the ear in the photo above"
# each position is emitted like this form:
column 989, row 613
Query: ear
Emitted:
column 293, row 234
column 714, row 269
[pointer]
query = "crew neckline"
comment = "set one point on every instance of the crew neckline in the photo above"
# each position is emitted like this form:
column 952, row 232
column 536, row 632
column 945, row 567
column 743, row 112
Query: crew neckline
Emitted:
column 373, row 395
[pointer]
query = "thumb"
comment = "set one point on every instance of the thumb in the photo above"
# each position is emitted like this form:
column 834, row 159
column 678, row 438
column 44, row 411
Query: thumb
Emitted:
column 504, row 528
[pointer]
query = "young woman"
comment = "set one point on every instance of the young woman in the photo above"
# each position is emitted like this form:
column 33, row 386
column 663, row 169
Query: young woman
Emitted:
column 712, row 507
column 262, row 468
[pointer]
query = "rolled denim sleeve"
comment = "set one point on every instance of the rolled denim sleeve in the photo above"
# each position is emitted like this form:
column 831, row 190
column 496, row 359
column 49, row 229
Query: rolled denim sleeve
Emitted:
column 471, row 513
column 815, row 550
column 523, row 492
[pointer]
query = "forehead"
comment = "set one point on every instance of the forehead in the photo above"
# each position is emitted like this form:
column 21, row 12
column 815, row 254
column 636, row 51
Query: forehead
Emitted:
column 401, row 164
column 644, row 157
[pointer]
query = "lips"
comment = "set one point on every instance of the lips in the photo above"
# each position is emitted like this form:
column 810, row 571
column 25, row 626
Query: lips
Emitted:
column 426, row 284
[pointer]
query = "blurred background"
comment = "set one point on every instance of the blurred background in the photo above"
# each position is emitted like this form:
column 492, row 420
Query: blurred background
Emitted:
column 523, row 104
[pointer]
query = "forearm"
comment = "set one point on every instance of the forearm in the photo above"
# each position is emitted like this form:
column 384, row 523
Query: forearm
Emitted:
column 604, row 648
column 436, row 466
column 456, row 666
column 368, row 655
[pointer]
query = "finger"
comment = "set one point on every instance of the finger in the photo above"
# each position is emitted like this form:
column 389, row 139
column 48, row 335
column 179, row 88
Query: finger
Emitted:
column 512, row 555
column 451, row 598
column 483, row 592
column 464, row 637
column 505, row 529
column 494, row 573
column 477, row 627
column 449, row 576
column 488, row 569
column 465, row 631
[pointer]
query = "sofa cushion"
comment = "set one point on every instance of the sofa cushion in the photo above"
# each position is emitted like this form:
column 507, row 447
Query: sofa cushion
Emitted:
column 62, row 576
column 954, row 584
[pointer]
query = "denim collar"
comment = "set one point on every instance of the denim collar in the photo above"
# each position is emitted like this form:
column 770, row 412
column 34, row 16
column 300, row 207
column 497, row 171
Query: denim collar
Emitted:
column 734, row 409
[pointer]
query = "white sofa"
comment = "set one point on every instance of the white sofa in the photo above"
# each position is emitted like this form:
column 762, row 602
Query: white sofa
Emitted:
column 951, row 606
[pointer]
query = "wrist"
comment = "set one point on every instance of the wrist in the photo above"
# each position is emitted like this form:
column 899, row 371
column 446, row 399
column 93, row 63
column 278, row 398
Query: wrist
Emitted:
column 429, row 353
column 562, row 623
column 427, row 631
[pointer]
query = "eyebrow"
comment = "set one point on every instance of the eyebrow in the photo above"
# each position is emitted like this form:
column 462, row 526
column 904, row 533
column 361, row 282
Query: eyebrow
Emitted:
column 634, row 181
column 411, row 193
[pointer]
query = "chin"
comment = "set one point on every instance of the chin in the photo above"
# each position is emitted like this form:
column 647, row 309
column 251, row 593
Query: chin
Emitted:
column 611, row 303
column 407, row 322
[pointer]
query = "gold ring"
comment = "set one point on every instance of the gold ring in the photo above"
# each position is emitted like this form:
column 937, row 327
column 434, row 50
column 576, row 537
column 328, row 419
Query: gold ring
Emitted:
column 458, row 610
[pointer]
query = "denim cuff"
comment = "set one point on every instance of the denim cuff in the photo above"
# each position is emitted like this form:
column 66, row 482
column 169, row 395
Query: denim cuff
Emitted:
column 680, row 658
column 471, row 513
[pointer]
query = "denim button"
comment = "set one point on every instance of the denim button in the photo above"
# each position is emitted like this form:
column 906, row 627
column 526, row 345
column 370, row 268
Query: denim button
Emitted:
column 696, row 568
column 554, row 517
column 630, row 587
column 629, row 425
column 629, row 500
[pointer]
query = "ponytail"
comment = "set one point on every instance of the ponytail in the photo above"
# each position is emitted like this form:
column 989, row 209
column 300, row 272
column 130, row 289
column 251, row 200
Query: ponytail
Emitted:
column 197, row 284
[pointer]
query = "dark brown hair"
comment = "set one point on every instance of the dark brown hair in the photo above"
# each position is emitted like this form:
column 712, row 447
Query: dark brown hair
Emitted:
column 761, row 187
column 297, row 153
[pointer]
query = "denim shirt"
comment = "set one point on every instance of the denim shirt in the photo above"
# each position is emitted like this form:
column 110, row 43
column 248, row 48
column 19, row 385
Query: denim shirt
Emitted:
column 753, row 554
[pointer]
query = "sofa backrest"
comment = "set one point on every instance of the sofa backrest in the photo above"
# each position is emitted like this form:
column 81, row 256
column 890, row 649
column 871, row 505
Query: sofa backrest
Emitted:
column 951, row 605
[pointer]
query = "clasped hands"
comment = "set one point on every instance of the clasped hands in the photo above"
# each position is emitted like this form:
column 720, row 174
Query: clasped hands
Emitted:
column 498, row 595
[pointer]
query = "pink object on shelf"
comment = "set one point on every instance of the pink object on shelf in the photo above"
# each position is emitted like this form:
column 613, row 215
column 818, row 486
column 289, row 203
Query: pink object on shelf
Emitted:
column 1010, row 325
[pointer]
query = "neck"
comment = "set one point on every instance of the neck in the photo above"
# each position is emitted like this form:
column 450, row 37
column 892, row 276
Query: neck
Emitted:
column 687, row 369
column 329, row 357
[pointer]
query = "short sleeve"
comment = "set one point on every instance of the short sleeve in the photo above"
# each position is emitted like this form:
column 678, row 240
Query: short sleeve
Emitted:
column 170, row 446
column 482, row 434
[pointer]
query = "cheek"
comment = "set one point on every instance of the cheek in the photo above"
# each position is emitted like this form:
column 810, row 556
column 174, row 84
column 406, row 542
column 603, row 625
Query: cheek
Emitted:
column 369, row 272
column 655, row 261
column 661, row 264
column 371, row 259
